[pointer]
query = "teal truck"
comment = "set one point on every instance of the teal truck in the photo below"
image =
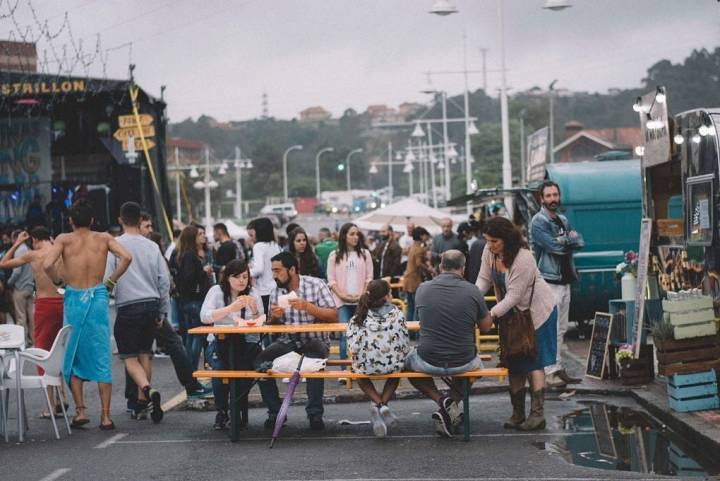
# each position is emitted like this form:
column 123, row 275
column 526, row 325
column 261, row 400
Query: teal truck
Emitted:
column 602, row 200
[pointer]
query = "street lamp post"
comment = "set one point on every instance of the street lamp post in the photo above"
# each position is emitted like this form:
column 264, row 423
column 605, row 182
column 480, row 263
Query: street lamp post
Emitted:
column 239, row 164
column 317, row 169
column 285, row 183
column 523, row 167
column 177, row 184
column 551, row 121
column 347, row 166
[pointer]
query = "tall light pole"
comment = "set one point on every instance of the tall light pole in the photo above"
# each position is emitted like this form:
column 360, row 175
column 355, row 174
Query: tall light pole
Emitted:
column 347, row 165
column 285, row 183
column 239, row 164
column 551, row 121
column 445, row 146
column 505, row 121
column 523, row 167
column 317, row 169
column 177, row 184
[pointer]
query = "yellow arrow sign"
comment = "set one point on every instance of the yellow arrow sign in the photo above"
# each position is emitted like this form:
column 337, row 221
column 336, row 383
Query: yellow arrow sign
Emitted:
column 138, row 144
column 122, row 134
column 125, row 121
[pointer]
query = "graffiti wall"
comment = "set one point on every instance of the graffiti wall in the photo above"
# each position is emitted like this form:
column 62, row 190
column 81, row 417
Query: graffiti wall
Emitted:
column 25, row 166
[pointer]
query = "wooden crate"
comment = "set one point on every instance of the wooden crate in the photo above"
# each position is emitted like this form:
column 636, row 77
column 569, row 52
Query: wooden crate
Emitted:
column 688, row 355
column 691, row 317
column 693, row 392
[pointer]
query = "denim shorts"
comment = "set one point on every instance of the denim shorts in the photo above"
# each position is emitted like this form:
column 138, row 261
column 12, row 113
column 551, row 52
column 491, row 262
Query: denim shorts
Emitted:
column 413, row 362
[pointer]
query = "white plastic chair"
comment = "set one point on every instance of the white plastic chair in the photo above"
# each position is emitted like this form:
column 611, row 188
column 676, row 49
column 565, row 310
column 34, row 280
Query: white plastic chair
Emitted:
column 51, row 362
column 12, row 337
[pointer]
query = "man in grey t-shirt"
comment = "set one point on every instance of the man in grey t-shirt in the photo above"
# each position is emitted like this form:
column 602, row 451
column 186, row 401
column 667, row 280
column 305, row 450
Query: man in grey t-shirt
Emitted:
column 448, row 309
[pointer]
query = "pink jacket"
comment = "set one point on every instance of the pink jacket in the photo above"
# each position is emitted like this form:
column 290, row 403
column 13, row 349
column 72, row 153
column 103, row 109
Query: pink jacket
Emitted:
column 336, row 273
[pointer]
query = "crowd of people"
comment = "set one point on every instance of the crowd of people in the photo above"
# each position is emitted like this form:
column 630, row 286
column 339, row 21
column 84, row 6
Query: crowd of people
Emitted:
column 161, row 293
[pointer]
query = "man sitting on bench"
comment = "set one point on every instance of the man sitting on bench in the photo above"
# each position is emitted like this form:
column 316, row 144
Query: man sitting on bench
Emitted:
column 448, row 309
column 314, row 303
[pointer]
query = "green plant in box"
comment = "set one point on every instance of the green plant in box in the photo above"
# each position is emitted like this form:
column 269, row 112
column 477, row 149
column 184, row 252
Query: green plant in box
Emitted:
column 663, row 331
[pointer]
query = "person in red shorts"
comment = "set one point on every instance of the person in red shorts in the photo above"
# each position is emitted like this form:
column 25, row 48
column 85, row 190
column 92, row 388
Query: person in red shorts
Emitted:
column 48, row 301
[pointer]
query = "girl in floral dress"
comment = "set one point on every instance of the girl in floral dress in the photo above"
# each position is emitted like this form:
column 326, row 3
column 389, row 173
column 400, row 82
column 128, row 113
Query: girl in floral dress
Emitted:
column 378, row 342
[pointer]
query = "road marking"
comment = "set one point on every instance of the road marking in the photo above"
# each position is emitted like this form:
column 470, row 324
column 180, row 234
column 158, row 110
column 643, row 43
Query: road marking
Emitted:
column 55, row 474
column 171, row 404
column 111, row 441
column 507, row 478
column 350, row 438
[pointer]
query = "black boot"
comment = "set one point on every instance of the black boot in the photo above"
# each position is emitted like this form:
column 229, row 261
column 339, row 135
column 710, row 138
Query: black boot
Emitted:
column 518, row 403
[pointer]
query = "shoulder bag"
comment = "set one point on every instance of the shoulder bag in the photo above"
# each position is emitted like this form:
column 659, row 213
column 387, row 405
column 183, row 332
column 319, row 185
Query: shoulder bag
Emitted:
column 516, row 329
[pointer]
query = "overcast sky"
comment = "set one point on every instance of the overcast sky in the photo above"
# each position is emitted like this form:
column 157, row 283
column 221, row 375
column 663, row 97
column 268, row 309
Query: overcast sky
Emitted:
column 218, row 56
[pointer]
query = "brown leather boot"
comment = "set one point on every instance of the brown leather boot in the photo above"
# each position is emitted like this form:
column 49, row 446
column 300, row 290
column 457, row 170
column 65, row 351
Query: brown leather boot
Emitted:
column 536, row 420
column 518, row 403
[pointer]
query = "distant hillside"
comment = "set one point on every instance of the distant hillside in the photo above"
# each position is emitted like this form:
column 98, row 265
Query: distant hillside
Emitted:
column 691, row 84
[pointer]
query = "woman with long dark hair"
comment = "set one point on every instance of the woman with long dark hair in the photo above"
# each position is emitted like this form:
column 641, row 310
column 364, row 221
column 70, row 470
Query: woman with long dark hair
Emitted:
column 417, row 270
column 349, row 270
column 192, row 282
column 226, row 303
column 508, row 264
column 263, row 250
column 299, row 246
column 378, row 341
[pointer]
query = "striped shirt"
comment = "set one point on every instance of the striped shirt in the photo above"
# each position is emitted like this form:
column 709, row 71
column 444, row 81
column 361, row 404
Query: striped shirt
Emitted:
column 313, row 290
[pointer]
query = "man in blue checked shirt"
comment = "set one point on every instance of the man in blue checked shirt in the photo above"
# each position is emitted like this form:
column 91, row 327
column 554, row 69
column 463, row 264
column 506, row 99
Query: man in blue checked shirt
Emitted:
column 314, row 303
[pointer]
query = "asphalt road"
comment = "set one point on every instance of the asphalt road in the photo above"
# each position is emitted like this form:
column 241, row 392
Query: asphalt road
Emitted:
column 184, row 446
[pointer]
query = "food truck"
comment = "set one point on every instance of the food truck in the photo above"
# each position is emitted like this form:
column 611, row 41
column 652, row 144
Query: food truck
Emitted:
column 681, row 194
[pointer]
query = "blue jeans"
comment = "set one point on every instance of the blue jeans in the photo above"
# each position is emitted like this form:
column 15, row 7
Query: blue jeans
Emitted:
column 217, row 356
column 410, row 306
column 345, row 313
column 191, row 318
column 414, row 362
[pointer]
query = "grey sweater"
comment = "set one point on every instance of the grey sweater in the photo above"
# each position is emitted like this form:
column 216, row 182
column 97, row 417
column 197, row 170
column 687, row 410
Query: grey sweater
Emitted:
column 147, row 278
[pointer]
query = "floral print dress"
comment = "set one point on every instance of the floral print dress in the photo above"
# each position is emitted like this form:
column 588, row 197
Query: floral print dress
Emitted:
column 381, row 344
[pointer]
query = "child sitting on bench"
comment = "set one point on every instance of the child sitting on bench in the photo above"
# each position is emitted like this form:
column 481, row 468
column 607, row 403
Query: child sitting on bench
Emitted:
column 378, row 341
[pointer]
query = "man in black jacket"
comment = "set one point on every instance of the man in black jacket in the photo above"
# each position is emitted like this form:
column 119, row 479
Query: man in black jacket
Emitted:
column 387, row 254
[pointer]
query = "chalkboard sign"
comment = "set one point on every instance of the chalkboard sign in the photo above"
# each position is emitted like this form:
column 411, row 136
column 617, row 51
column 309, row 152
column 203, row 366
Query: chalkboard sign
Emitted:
column 597, row 355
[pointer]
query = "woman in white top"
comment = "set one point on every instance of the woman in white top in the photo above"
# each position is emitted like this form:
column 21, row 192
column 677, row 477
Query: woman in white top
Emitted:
column 231, row 300
column 349, row 270
column 264, row 249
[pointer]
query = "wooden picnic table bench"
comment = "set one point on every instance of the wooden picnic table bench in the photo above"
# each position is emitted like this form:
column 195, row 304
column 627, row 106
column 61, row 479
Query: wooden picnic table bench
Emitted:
column 229, row 375
column 233, row 335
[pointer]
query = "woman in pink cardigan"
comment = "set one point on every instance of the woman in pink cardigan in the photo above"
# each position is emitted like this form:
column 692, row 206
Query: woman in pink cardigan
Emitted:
column 349, row 270
column 508, row 263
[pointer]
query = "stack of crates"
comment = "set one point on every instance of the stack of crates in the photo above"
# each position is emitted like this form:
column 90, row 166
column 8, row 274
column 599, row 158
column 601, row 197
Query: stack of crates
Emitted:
column 692, row 317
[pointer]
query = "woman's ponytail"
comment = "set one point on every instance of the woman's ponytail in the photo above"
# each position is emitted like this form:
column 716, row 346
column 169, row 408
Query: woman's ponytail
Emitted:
column 373, row 297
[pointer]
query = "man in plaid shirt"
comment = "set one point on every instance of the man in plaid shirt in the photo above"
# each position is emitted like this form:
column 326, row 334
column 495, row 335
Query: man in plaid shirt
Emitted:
column 313, row 304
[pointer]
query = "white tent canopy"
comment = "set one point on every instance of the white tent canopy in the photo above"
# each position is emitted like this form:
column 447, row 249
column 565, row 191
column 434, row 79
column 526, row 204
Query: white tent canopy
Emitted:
column 399, row 214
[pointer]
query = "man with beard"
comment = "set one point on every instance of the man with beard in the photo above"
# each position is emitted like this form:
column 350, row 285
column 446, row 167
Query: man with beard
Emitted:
column 553, row 242
column 387, row 254
column 314, row 303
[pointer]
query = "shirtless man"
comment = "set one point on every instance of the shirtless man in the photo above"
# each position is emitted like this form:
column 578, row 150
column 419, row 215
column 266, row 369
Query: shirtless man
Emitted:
column 84, row 255
column 48, row 302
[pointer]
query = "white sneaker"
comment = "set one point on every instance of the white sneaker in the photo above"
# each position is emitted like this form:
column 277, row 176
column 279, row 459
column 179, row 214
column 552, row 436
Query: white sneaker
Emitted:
column 388, row 417
column 379, row 427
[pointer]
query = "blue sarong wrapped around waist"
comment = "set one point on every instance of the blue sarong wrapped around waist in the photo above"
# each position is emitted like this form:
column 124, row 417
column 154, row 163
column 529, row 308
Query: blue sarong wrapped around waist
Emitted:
column 88, row 355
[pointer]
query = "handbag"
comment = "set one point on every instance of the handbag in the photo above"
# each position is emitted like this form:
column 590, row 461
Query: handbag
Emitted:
column 516, row 329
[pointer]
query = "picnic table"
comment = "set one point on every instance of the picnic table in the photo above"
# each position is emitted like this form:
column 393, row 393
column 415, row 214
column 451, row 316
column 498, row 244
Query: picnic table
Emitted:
column 234, row 336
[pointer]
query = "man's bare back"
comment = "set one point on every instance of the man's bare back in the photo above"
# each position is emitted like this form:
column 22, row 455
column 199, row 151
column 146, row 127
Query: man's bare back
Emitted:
column 36, row 257
column 84, row 254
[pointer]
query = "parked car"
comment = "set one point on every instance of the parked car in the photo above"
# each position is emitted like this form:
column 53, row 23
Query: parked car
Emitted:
column 286, row 210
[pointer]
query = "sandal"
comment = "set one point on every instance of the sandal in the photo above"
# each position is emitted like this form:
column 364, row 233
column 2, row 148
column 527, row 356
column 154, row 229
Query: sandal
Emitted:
column 78, row 422
column 46, row 415
column 106, row 427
